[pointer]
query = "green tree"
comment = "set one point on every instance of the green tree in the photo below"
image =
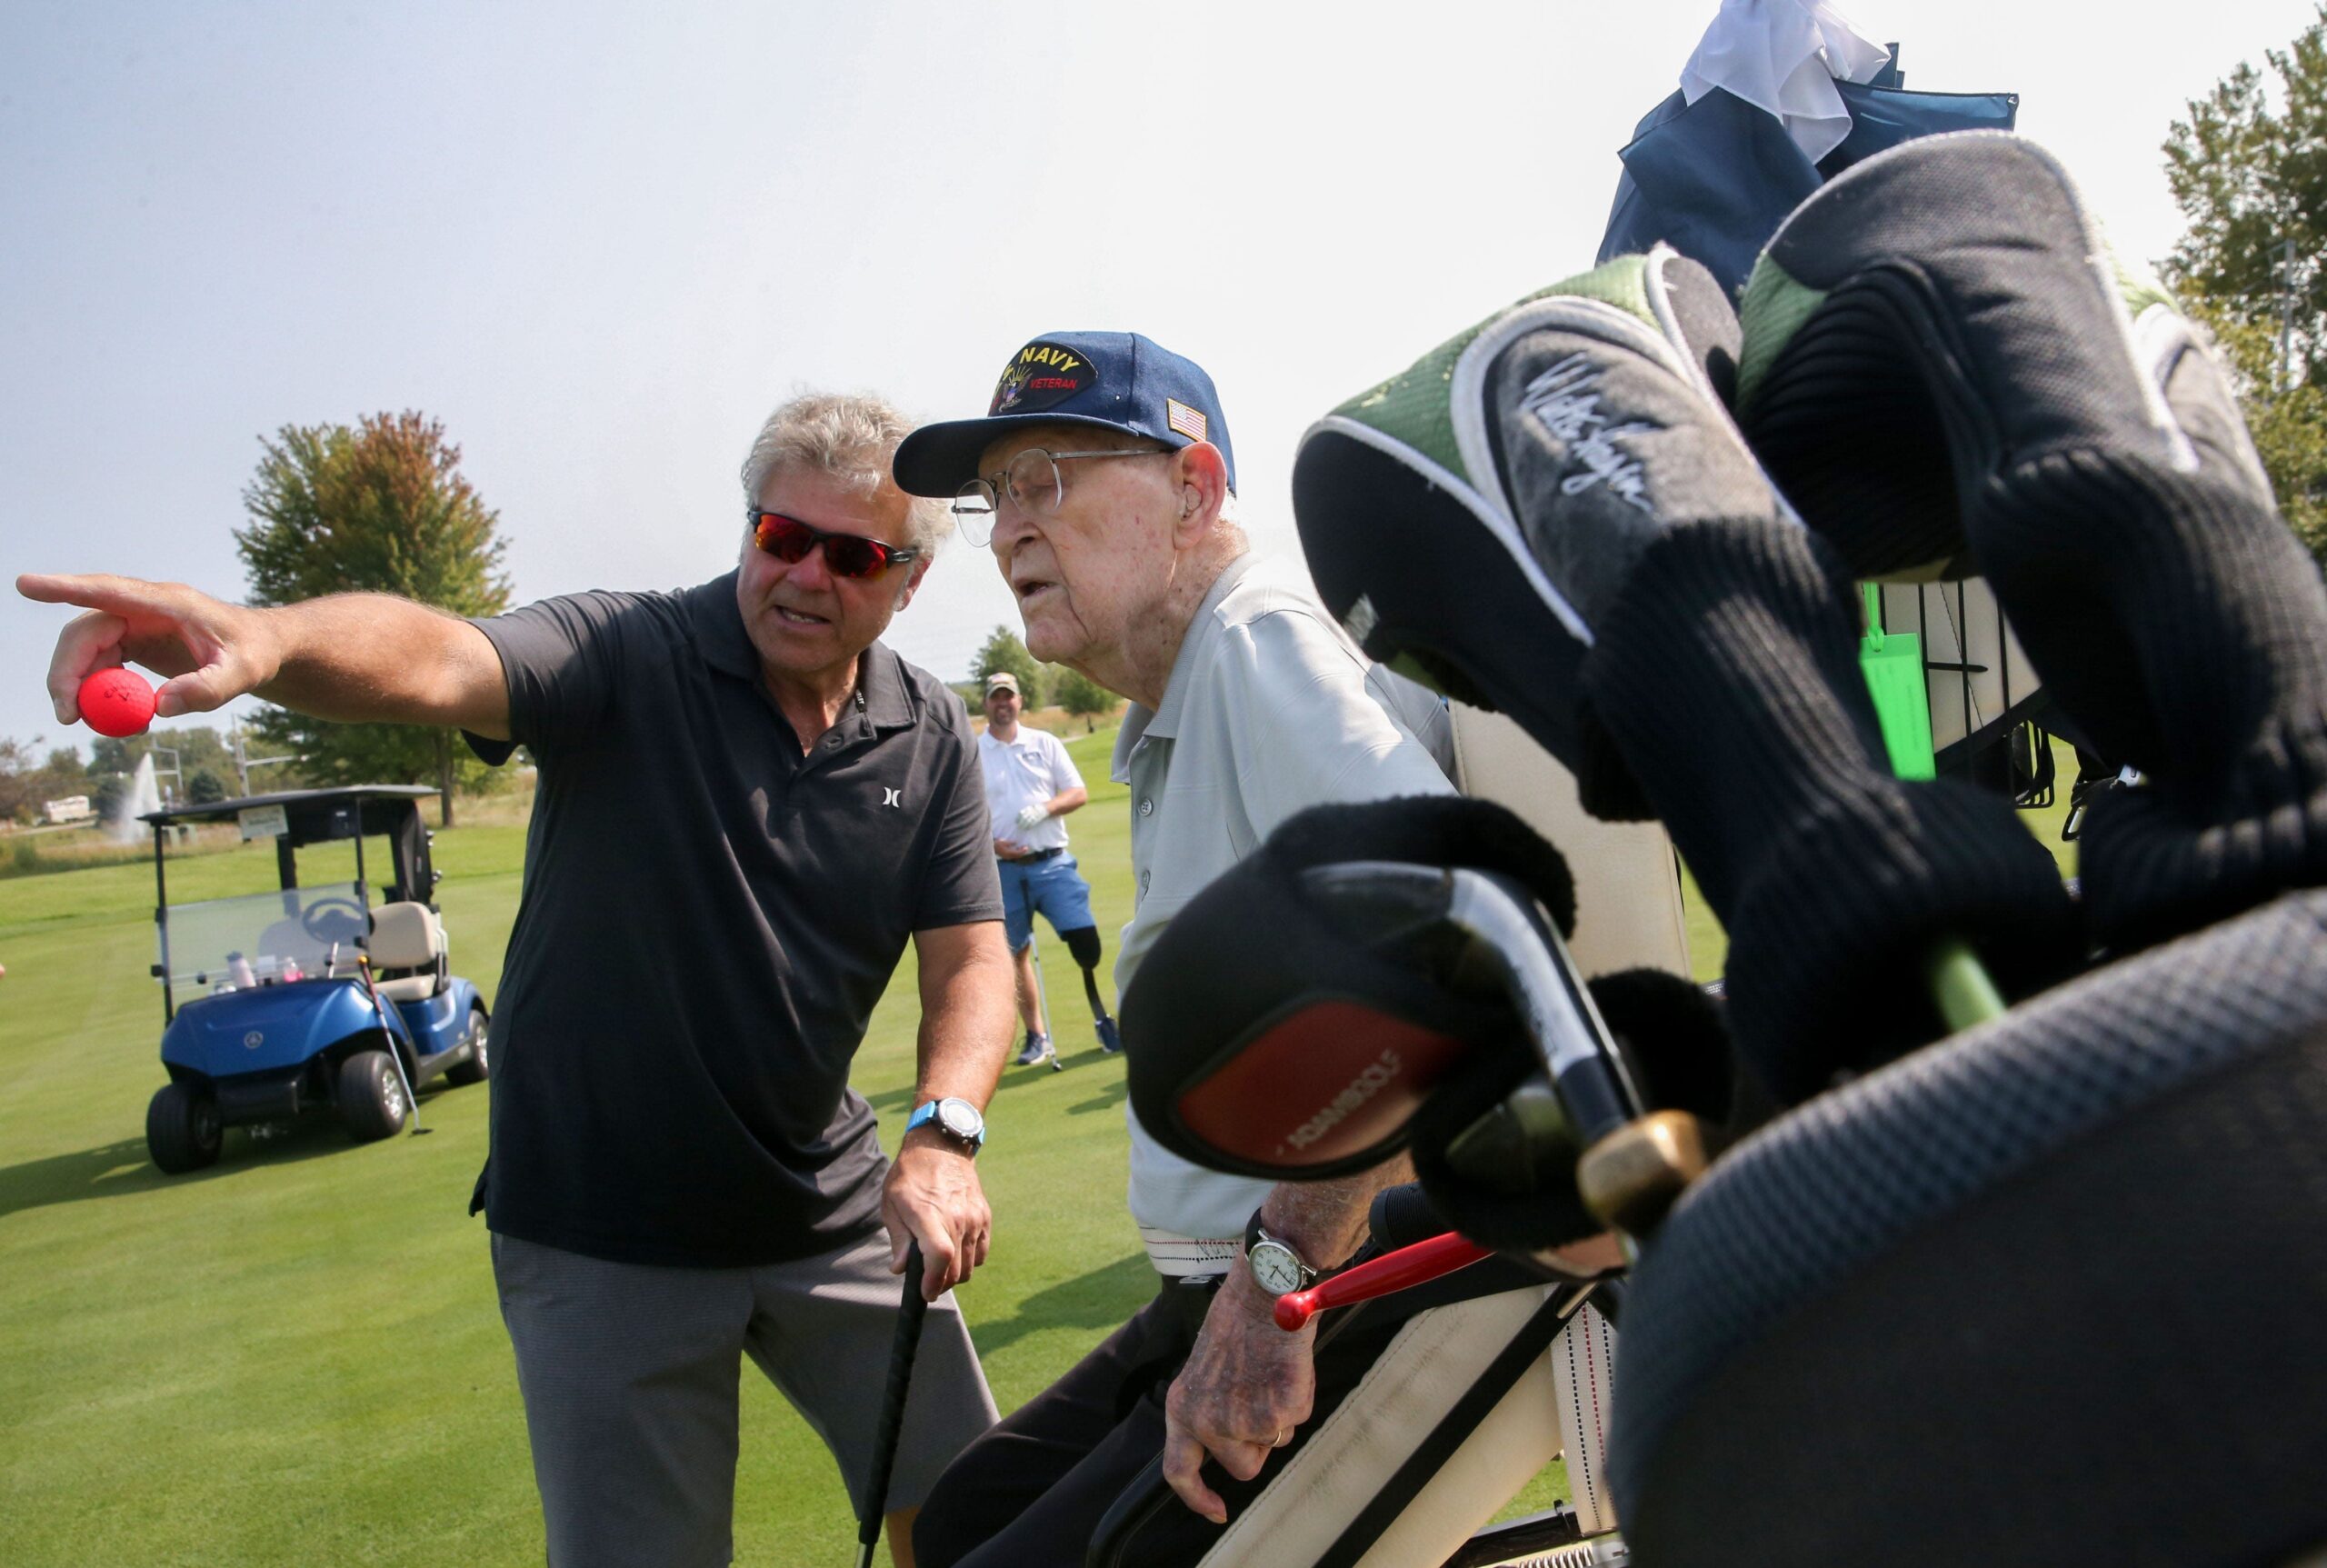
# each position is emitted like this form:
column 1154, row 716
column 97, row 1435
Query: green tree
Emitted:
column 1082, row 696
column 381, row 508
column 1004, row 651
column 206, row 787
column 20, row 799
column 28, row 783
column 2247, row 168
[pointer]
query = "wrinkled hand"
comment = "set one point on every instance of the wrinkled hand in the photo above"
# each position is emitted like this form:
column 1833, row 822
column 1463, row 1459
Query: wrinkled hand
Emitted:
column 1246, row 1385
column 211, row 650
column 1033, row 817
column 933, row 1195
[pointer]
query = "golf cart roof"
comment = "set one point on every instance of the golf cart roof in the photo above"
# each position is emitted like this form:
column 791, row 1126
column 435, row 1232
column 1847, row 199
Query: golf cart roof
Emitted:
column 226, row 810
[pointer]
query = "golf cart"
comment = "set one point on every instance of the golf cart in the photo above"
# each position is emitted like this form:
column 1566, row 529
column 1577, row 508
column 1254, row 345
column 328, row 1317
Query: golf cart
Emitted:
column 309, row 996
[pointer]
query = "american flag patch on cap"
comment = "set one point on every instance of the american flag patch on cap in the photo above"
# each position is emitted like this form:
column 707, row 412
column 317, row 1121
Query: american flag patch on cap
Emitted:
column 1188, row 422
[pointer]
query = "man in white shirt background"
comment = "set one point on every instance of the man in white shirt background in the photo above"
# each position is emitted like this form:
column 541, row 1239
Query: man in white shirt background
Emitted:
column 1031, row 783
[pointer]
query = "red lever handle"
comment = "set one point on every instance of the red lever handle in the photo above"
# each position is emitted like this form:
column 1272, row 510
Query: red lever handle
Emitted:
column 1401, row 1270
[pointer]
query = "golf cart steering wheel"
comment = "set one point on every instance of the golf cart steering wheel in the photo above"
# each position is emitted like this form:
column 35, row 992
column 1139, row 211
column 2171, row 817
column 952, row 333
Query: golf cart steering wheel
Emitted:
column 325, row 919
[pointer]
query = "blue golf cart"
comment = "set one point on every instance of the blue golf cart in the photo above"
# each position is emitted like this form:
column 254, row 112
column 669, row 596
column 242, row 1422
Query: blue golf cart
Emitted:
column 309, row 997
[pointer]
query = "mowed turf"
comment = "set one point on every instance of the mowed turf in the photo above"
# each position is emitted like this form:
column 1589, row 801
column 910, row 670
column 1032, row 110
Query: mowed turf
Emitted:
column 297, row 1356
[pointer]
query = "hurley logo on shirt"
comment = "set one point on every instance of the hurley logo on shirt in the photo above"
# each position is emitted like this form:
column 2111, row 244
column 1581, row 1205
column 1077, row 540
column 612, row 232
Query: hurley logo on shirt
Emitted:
column 895, row 797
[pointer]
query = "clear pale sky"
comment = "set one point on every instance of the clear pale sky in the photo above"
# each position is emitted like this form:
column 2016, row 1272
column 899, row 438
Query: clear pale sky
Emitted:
column 601, row 242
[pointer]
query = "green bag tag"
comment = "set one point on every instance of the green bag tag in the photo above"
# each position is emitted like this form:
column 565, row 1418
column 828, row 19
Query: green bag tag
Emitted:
column 1894, row 663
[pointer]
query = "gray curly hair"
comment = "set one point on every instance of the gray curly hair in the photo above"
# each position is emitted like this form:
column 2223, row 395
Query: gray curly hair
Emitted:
column 850, row 436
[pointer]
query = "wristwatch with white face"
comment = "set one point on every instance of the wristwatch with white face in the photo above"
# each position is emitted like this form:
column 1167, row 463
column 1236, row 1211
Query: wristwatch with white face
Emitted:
column 1276, row 1267
column 957, row 1119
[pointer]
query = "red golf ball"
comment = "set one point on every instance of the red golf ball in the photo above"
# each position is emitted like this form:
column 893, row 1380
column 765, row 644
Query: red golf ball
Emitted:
column 116, row 702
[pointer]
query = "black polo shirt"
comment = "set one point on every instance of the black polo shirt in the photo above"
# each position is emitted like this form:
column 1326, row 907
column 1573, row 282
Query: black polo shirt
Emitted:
column 709, row 917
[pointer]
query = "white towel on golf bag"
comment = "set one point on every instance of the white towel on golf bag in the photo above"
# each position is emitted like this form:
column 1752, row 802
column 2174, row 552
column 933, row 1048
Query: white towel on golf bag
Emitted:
column 1783, row 57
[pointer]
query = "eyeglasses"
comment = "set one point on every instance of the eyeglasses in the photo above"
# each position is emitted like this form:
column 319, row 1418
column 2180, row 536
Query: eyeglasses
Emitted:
column 1032, row 480
column 789, row 540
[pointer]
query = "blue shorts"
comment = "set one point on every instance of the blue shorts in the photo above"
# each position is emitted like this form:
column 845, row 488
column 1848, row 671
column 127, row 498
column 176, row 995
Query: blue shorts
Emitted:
column 1052, row 886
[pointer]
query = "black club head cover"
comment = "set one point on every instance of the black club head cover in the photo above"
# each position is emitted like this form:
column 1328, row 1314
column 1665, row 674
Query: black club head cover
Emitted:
column 1675, row 1049
column 1674, row 1041
column 1527, row 1201
column 1941, row 353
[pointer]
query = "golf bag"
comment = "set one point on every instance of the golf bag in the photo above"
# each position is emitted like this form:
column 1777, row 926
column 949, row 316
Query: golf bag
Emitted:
column 2037, row 1293
column 2041, row 1293
column 1626, row 873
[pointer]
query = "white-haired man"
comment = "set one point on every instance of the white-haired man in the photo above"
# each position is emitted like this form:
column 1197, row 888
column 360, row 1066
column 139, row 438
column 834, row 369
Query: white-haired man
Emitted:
column 747, row 805
column 1105, row 471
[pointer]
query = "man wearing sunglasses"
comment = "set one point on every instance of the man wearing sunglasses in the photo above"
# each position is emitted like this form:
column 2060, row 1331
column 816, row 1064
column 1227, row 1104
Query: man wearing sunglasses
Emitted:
column 1104, row 480
column 746, row 806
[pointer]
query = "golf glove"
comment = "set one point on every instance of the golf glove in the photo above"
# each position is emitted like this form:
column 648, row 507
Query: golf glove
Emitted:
column 1033, row 817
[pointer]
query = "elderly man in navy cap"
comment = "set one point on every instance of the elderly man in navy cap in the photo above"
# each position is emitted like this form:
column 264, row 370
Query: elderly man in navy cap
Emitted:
column 1104, row 479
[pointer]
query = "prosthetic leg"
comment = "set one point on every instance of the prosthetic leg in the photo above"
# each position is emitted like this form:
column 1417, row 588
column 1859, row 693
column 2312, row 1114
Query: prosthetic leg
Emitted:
column 1083, row 943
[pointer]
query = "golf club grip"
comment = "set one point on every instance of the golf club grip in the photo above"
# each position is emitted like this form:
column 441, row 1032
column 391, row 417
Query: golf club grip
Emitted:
column 911, row 1309
column 1408, row 1266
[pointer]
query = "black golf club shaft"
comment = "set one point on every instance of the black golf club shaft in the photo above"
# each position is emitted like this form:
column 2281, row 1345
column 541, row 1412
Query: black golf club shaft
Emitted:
column 411, row 1090
column 911, row 1309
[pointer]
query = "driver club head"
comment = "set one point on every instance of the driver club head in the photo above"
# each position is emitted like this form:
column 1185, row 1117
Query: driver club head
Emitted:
column 1323, row 1005
column 1317, row 1065
column 1386, row 980
column 1289, row 1026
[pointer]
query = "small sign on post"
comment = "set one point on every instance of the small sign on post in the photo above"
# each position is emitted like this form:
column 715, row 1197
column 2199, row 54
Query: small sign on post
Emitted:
column 263, row 822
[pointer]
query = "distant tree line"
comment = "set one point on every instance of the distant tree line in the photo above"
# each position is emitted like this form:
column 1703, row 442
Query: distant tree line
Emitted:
column 30, row 778
column 1040, row 685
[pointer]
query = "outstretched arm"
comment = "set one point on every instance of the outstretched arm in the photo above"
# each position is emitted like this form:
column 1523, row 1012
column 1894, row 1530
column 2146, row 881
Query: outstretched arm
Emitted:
column 367, row 657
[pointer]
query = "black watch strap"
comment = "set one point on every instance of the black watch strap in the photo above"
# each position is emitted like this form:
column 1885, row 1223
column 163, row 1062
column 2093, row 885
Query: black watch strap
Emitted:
column 1255, row 1233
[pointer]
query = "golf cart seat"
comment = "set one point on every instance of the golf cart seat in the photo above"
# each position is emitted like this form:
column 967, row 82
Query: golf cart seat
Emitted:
column 408, row 952
column 2044, row 1293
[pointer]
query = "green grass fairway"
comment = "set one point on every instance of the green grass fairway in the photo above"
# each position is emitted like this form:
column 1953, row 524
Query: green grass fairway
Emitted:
column 295, row 1357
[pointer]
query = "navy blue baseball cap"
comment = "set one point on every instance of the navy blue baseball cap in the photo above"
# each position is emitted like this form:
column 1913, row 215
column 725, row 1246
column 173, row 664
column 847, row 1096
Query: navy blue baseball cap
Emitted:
column 1116, row 380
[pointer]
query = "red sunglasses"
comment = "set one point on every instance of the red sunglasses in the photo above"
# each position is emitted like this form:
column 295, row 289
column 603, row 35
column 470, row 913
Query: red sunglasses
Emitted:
column 789, row 540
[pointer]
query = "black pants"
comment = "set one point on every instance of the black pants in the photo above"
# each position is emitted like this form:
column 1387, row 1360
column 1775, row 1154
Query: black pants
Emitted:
column 1031, row 1492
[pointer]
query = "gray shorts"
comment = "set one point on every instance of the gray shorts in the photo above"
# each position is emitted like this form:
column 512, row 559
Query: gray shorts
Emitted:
column 629, row 1376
